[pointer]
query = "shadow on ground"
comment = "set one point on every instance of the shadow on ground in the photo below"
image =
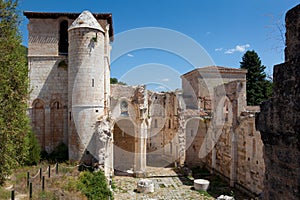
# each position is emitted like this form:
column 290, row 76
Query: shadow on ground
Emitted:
column 217, row 186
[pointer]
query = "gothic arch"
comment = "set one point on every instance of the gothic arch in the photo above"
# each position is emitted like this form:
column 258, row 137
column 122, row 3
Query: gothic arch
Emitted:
column 124, row 144
column 38, row 121
column 56, row 124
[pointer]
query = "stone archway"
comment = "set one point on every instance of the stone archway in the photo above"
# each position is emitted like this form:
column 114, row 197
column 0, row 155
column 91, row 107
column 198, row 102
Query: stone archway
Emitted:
column 56, row 125
column 124, row 145
column 38, row 121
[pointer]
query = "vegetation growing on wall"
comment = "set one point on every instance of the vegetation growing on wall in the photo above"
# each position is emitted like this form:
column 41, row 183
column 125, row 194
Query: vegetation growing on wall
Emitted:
column 18, row 145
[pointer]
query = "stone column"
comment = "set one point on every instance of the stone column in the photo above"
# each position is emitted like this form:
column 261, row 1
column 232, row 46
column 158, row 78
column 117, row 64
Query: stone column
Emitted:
column 140, row 151
column 65, row 126
column 47, row 139
column 233, row 166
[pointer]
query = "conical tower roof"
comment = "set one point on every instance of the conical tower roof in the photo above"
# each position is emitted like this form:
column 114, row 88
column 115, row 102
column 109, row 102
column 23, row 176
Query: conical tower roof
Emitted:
column 86, row 20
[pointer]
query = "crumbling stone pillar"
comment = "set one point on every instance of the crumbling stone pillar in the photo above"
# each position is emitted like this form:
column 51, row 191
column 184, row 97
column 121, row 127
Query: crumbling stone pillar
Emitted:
column 140, row 151
column 279, row 120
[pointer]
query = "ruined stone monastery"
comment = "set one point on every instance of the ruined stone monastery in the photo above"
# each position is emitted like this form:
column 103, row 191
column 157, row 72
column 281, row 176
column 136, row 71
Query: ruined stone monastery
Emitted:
column 128, row 128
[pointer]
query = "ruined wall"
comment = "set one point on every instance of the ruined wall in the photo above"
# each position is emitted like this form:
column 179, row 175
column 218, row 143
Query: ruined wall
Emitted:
column 250, row 161
column 198, row 85
column 162, row 140
column 195, row 131
column 129, row 111
column 232, row 145
column 279, row 120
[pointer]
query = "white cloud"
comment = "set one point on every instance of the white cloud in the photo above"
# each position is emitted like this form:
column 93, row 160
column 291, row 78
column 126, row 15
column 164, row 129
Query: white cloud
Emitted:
column 219, row 49
column 130, row 55
column 238, row 48
column 165, row 80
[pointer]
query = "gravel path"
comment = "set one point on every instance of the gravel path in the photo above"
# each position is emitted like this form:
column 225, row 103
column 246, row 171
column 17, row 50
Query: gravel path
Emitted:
column 168, row 185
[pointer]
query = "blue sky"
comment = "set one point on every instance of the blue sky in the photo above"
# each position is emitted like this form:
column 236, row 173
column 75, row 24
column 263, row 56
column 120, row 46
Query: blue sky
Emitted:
column 225, row 29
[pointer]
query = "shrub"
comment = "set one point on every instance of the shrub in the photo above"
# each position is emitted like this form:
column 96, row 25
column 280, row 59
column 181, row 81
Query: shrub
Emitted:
column 94, row 185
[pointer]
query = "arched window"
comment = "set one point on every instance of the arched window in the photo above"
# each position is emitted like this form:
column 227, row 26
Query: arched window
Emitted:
column 63, row 38
column 124, row 109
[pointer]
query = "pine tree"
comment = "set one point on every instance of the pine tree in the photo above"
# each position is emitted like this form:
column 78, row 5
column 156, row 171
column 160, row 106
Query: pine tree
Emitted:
column 258, row 87
column 16, row 142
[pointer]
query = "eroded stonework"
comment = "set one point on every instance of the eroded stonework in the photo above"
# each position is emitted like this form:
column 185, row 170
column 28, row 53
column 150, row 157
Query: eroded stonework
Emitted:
column 127, row 128
column 279, row 120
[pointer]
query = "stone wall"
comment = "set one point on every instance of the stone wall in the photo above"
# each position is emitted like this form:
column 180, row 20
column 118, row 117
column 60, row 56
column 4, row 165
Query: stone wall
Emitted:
column 48, row 73
column 162, row 140
column 250, row 161
column 199, row 84
column 129, row 111
column 48, row 100
column 279, row 120
column 227, row 142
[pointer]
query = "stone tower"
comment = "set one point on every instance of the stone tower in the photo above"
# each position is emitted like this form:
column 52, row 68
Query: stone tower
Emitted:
column 88, row 84
column 68, row 61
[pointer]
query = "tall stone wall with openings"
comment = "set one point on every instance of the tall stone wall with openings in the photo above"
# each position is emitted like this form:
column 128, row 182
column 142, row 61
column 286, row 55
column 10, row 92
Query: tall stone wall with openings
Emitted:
column 227, row 142
column 162, row 140
column 48, row 73
column 48, row 55
column 279, row 120
column 237, row 154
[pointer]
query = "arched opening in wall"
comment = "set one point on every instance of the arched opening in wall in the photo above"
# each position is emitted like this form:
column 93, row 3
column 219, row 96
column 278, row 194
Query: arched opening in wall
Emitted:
column 124, row 109
column 195, row 131
column 224, row 113
column 63, row 38
column 124, row 145
column 38, row 121
column 56, row 125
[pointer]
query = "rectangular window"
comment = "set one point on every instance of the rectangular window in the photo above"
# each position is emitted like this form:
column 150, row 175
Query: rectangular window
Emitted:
column 93, row 82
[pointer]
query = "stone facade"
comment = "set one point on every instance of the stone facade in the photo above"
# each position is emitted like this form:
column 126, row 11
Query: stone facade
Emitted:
column 127, row 128
column 220, row 133
column 279, row 120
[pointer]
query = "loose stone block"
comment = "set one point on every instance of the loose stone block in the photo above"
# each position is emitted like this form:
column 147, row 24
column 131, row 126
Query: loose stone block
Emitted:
column 201, row 184
column 145, row 186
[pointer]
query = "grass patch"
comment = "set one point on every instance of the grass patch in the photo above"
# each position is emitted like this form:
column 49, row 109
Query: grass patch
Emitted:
column 47, row 196
column 205, row 193
column 5, row 194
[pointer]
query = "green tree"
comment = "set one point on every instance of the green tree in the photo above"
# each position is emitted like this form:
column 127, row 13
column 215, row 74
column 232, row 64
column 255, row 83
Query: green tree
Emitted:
column 116, row 81
column 259, row 88
column 15, row 132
